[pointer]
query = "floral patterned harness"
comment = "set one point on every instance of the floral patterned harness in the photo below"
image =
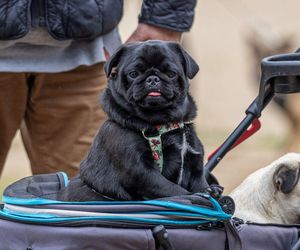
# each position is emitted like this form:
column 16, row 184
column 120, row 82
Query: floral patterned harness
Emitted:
column 156, row 143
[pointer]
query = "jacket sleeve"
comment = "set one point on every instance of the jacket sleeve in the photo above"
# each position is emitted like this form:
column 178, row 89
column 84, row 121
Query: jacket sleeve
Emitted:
column 177, row 15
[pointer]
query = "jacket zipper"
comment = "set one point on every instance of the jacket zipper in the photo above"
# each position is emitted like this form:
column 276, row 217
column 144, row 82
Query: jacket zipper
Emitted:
column 38, row 13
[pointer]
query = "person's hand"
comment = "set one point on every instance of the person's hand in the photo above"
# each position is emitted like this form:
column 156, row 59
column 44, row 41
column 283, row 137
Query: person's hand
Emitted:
column 146, row 32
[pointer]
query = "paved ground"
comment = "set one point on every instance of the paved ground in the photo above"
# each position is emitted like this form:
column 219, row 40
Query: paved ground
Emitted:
column 223, row 89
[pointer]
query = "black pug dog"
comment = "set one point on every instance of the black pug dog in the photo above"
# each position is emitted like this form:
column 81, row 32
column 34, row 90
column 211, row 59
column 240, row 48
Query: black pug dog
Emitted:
column 147, row 103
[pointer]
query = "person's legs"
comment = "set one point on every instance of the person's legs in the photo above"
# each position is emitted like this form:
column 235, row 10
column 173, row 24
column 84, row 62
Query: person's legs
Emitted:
column 13, row 98
column 62, row 118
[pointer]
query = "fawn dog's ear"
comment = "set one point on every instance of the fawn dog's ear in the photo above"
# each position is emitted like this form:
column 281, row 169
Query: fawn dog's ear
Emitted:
column 286, row 178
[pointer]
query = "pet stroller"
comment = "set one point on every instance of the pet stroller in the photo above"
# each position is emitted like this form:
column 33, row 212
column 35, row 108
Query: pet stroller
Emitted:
column 32, row 218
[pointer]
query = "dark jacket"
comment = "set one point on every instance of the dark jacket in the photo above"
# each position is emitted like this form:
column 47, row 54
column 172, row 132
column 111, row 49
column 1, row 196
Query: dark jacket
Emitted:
column 87, row 19
column 177, row 15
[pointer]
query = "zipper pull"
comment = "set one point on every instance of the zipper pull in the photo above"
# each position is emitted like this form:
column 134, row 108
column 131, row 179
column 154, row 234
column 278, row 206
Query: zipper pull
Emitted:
column 237, row 222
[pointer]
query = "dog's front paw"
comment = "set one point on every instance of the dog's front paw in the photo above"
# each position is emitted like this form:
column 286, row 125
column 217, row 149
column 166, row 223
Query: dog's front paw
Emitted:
column 215, row 191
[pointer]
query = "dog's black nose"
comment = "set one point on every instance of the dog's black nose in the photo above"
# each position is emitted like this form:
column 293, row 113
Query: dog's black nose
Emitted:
column 152, row 80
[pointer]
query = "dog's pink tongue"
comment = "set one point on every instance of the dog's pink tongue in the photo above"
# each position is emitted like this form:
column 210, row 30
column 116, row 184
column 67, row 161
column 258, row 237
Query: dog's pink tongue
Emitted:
column 154, row 94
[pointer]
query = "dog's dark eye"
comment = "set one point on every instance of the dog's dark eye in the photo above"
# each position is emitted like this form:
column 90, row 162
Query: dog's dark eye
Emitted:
column 133, row 74
column 171, row 74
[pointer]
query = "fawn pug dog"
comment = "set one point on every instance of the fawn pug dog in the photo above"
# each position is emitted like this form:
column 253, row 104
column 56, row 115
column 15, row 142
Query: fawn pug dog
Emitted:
column 271, row 194
column 148, row 147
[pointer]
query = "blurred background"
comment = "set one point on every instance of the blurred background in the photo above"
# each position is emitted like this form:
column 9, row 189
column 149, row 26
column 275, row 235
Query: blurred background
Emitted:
column 228, row 40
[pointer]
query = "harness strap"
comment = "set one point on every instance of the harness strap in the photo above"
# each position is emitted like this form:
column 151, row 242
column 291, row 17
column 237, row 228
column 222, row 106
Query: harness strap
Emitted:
column 155, row 141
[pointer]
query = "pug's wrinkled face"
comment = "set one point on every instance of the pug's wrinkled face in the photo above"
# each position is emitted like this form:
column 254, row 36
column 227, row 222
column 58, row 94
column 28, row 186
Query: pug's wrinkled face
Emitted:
column 153, row 82
column 151, row 75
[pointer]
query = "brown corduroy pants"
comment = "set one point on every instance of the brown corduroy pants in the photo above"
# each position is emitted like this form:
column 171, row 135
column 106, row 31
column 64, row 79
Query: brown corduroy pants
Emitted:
column 58, row 115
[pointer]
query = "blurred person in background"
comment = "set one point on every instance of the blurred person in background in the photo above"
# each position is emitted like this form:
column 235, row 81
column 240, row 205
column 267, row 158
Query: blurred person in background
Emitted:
column 51, row 70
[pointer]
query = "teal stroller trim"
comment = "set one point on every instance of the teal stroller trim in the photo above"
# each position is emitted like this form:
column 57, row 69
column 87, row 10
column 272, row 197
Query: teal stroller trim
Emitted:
column 38, row 205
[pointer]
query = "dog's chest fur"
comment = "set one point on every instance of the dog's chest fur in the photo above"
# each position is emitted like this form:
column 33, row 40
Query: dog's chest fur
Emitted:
column 179, row 151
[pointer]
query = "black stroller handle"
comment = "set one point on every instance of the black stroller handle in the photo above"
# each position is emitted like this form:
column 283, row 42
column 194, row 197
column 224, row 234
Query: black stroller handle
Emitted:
column 280, row 75
column 231, row 140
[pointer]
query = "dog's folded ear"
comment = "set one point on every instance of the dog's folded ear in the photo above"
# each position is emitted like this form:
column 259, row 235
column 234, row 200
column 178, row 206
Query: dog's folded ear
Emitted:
column 286, row 178
column 191, row 67
column 113, row 61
